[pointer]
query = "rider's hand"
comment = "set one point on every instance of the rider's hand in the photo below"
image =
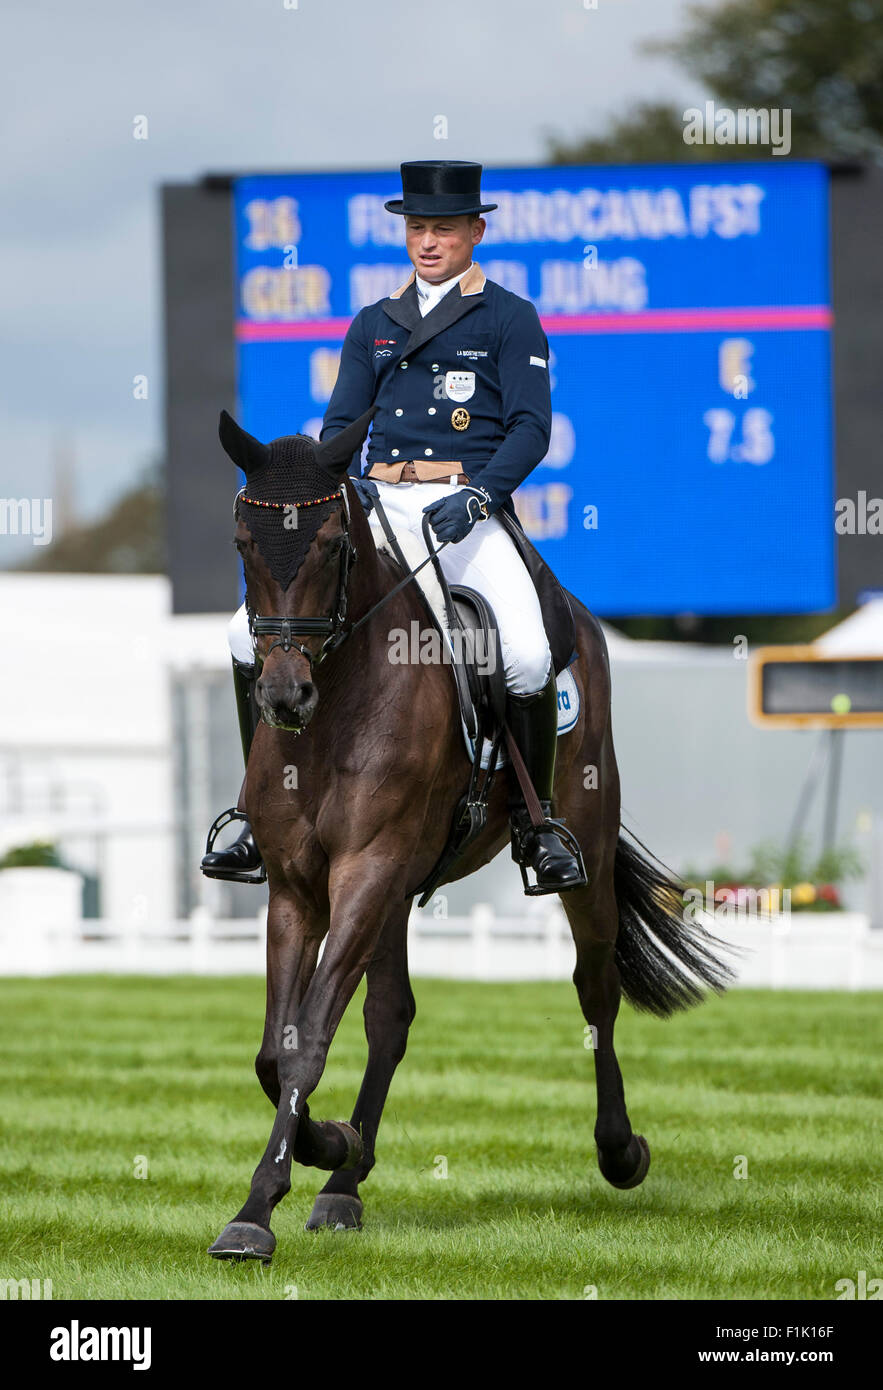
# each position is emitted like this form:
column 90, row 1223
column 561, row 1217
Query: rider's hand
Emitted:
column 366, row 490
column 452, row 518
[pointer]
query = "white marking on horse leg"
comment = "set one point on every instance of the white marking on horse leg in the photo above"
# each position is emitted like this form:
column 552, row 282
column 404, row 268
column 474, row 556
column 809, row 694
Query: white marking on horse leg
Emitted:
column 294, row 1098
column 281, row 1154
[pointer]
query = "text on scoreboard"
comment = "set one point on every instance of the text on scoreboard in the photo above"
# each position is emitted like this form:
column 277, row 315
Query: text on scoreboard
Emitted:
column 688, row 316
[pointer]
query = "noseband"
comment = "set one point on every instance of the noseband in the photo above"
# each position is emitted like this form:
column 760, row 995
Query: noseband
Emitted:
column 284, row 628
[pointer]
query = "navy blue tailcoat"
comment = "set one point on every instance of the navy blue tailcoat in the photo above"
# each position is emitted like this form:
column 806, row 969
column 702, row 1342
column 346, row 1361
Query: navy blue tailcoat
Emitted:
column 479, row 359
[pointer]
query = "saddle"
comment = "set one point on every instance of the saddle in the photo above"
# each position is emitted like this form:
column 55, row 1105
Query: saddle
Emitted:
column 481, row 683
column 472, row 614
column 554, row 603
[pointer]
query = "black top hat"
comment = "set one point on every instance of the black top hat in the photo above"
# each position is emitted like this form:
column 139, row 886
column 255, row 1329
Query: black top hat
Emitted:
column 440, row 188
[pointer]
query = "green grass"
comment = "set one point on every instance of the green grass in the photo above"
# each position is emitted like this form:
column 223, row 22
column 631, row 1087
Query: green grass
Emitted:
column 96, row 1071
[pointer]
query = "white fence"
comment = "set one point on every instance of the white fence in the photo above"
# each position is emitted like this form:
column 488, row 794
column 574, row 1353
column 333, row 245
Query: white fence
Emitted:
column 804, row 951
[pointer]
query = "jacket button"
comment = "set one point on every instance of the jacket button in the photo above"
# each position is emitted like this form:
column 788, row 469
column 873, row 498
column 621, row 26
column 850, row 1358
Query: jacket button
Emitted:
column 427, row 452
column 434, row 367
column 431, row 410
column 403, row 365
column 395, row 453
column 400, row 412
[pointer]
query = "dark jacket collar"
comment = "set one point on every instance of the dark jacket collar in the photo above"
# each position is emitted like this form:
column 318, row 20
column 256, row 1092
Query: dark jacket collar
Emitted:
column 404, row 308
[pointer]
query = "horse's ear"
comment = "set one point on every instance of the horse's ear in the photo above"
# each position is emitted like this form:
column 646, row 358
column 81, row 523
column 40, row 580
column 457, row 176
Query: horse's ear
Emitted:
column 247, row 453
column 336, row 453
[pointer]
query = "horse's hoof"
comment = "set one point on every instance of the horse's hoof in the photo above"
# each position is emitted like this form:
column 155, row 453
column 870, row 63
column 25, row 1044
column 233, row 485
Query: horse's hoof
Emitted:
column 243, row 1240
column 640, row 1172
column 338, row 1210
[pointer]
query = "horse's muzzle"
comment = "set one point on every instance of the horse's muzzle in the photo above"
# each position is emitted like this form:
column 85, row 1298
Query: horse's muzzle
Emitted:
column 287, row 705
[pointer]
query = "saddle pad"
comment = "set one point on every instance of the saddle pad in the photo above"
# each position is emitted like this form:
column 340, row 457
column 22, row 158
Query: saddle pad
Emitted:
column 568, row 714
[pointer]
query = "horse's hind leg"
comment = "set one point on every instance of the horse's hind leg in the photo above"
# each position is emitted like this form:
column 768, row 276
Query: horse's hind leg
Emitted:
column 623, row 1157
column 389, row 1012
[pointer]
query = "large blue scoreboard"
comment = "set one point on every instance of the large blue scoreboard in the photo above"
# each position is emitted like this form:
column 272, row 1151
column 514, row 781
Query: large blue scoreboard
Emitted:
column 688, row 315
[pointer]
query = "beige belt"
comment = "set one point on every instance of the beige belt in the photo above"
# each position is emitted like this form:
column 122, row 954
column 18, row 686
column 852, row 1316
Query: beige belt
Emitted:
column 419, row 471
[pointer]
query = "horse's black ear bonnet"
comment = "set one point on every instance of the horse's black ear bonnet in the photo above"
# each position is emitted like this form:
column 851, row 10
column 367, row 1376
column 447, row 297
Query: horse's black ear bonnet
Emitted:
column 284, row 534
column 291, row 470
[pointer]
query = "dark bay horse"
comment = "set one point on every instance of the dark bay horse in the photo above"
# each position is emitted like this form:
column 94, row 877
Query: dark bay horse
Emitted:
column 352, row 781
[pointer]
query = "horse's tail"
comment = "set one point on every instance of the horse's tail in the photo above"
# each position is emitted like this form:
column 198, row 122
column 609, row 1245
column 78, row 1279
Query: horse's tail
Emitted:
column 656, row 945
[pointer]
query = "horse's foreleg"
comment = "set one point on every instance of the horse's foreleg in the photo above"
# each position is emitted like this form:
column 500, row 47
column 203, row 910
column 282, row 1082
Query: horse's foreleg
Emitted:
column 292, row 950
column 389, row 1012
column 359, row 906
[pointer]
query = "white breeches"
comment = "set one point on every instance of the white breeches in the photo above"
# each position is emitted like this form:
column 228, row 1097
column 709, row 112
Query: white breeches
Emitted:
column 485, row 560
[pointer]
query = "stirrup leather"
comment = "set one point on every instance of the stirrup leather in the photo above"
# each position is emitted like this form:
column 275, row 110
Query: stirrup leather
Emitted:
column 256, row 875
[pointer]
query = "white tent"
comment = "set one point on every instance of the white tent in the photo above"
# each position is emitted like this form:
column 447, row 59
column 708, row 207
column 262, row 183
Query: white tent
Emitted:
column 861, row 634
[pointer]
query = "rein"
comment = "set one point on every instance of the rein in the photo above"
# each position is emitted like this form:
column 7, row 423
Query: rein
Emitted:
column 336, row 633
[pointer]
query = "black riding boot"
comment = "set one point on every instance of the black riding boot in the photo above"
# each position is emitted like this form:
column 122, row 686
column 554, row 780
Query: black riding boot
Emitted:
column 533, row 720
column 242, row 861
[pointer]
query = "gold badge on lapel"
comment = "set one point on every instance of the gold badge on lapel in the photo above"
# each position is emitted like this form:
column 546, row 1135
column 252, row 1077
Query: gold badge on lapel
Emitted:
column 460, row 419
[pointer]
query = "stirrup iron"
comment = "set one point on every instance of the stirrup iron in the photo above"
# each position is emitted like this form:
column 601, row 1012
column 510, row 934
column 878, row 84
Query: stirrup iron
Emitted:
column 559, row 829
column 256, row 875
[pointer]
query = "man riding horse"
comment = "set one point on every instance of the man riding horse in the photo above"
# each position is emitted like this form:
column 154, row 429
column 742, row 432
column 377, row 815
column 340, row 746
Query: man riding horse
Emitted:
column 459, row 423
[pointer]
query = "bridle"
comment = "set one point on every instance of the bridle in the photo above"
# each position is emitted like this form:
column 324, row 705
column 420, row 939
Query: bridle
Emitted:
column 284, row 628
column 335, row 629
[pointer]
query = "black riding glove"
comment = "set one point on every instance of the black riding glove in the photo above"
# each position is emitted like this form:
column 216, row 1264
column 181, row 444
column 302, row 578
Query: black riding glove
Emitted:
column 367, row 492
column 452, row 518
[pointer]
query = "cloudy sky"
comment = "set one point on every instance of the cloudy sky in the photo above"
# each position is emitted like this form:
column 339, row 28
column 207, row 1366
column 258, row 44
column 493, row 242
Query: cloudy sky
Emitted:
column 240, row 84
